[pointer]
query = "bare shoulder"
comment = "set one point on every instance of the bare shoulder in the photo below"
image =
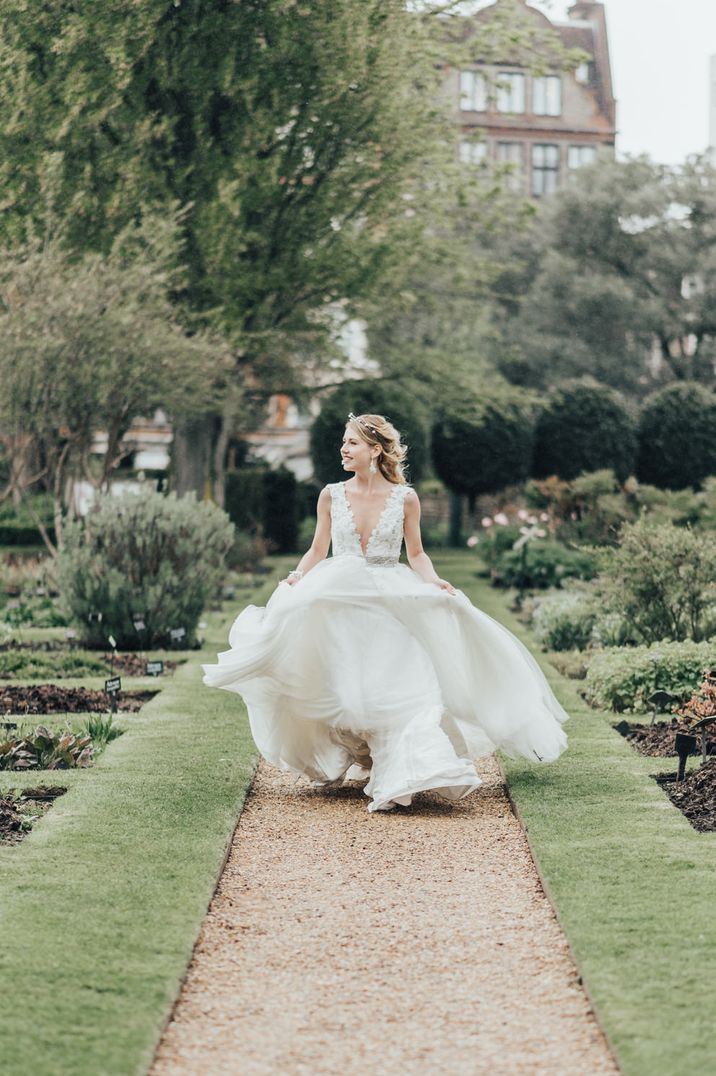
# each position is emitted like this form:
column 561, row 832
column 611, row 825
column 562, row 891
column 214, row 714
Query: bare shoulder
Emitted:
column 324, row 497
column 412, row 501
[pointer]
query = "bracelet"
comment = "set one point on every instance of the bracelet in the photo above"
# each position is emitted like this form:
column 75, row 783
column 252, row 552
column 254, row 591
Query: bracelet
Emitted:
column 296, row 571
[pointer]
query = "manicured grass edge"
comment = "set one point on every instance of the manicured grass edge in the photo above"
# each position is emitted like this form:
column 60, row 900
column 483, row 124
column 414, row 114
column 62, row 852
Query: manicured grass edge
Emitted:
column 631, row 882
column 103, row 902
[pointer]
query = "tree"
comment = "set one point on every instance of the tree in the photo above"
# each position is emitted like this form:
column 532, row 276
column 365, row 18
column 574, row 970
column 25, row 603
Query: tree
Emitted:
column 584, row 427
column 482, row 444
column 620, row 280
column 677, row 437
column 86, row 345
column 406, row 411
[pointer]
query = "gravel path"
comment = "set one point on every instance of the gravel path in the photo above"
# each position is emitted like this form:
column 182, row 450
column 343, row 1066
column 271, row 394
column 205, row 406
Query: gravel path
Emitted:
column 417, row 941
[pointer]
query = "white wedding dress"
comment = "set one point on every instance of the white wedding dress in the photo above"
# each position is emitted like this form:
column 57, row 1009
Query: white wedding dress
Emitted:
column 363, row 669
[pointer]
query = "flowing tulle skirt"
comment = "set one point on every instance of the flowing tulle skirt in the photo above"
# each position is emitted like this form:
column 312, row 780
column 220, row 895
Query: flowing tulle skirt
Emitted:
column 361, row 669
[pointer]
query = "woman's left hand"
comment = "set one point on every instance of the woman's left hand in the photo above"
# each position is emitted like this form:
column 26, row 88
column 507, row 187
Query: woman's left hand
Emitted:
column 444, row 585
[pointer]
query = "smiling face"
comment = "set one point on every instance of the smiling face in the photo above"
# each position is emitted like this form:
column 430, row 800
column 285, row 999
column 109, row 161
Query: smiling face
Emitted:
column 356, row 454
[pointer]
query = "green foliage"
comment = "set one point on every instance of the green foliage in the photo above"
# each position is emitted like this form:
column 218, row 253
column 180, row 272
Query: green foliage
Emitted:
column 407, row 412
column 45, row 750
column 624, row 678
column 39, row 665
column 539, row 564
column 101, row 730
column 603, row 279
column 662, row 580
column 591, row 508
column 481, row 445
column 265, row 503
column 583, row 427
column 31, row 609
column 565, row 620
column 677, row 436
column 160, row 557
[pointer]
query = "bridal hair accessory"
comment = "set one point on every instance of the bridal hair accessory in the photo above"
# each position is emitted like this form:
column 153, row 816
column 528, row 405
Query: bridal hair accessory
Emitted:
column 361, row 422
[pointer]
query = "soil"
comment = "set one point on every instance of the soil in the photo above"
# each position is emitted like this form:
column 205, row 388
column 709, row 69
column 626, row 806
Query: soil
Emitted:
column 659, row 740
column 19, row 812
column 695, row 796
column 53, row 699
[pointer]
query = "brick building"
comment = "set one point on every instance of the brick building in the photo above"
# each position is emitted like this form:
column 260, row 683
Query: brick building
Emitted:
column 541, row 125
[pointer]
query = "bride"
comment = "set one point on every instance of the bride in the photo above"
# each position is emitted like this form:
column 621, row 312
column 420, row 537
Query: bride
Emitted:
column 362, row 667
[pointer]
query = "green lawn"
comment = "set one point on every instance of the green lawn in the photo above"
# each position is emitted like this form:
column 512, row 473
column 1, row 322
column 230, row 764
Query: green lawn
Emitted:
column 101, row 904
column 632, row 882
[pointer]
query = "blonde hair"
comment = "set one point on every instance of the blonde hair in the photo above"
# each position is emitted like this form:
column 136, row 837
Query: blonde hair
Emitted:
column 377, row 430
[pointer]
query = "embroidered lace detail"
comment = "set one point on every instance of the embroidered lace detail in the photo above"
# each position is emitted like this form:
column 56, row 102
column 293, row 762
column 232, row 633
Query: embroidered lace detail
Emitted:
column 386, row 539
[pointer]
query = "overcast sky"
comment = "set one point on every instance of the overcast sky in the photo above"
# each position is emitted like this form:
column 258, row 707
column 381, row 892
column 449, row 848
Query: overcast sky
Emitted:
column 660, row 65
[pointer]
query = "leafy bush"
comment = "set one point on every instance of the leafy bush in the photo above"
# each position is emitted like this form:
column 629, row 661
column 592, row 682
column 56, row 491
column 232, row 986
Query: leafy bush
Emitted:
column 481, row 445
column 565, row 620
column 38, row 610
column 590, row 508
column 265, row 504
column 623, row 679
column 540, row 564
column 677, row 436
column 144, row 554
column 34, row 665
column 584, row 426
column 45, row 750
column 662, row 581
column 407, row 413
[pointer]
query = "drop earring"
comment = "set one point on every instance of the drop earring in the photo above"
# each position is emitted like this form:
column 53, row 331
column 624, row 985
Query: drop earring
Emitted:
column 373, row 469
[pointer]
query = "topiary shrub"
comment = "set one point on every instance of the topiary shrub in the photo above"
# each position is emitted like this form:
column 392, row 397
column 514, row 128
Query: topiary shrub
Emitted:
column 677, row 436
column 482, row 445
column 265, row 503
column 624, row 678
column 402, row 408
column 145, row 554
column 584, row 426
column 540, row 564
column 661, row 580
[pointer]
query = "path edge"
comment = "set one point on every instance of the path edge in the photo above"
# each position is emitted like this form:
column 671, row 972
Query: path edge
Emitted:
column 553, row 903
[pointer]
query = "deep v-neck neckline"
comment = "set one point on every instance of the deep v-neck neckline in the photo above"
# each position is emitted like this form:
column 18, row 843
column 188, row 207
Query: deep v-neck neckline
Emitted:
column 378, row 521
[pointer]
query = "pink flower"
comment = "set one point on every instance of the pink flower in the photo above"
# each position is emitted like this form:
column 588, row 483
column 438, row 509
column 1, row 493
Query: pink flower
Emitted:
column 541, row 533
column 522, row 514
column 486, row 521
column 502, row 519
column 472, row 541
column 544, row 517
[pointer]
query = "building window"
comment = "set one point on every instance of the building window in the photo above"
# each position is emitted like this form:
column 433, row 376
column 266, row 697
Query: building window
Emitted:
column 513, row 154
column 473, row 92
column 547, row 96
column 582, row 73
column 545, row 169
column 578, row 156
column 472, row 152
column 510, row 91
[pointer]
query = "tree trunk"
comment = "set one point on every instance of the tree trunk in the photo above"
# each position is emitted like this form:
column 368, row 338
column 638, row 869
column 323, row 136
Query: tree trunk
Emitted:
column 455, row 534
column 221, row 446
column 191, row 456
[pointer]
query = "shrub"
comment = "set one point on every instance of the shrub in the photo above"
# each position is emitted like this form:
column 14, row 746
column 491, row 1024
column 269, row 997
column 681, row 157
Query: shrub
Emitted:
column 265, row 504
column 34, row 665
column 590, row 508
column 407, row 413
column 661, row 581
column 482, row 445
column 623, row 679
column 565, row 620
column 159, row 557
column 584, row 426
column 677, row 436
column 540, row 564
column 45, row 750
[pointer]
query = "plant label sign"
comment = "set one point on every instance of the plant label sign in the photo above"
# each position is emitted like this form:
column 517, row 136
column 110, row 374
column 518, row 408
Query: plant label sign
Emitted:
column 113, row 686
column 177, row 634
column 154, row 668
column 94, row 618
column 112, row 641
column 139, row 624
column 70, row 634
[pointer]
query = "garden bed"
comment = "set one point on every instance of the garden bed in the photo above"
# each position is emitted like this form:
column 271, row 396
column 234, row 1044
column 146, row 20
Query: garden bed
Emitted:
column 659, row 740
column 54, row 699
column 21, row 660
column 20, row 810
column 695, row 796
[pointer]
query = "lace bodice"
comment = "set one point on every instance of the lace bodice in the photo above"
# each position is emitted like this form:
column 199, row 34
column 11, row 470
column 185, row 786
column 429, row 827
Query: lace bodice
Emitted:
column 386, row 539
